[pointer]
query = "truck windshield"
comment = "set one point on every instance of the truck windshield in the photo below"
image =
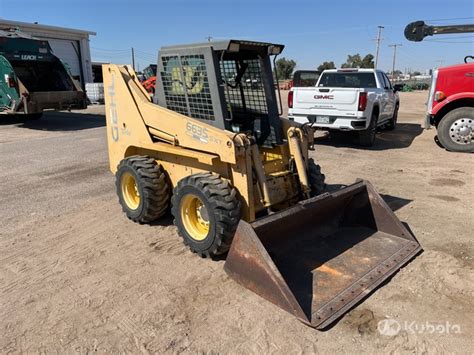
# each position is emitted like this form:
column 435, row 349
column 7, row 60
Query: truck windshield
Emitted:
column 348, row 80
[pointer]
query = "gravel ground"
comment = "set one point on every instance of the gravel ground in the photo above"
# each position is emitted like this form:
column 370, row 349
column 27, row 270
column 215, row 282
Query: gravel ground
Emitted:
column 76, row 275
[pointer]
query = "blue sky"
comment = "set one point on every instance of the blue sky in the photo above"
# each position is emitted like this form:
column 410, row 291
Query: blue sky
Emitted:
column 313, row 31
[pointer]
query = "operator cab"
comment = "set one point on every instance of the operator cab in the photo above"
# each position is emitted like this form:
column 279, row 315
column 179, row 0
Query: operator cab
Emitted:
column 228, row 84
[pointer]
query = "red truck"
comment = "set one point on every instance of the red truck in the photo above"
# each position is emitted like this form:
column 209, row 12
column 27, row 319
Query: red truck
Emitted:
column 451, row 98
column 451, row 106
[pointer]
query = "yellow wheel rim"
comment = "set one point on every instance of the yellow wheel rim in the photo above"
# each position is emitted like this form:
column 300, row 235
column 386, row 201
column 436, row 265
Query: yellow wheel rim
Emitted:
column 130, row 192
column 195, row 217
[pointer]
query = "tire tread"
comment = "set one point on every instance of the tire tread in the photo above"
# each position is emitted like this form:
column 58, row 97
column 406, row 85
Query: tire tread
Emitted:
column 223, row 200
column 155, row 188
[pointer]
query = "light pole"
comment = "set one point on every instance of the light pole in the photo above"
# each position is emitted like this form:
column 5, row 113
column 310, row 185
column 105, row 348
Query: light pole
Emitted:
column 394, row 56
column 378, row 39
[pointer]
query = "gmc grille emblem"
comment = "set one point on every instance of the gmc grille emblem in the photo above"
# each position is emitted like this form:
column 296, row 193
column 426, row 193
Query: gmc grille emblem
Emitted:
column 324, row 97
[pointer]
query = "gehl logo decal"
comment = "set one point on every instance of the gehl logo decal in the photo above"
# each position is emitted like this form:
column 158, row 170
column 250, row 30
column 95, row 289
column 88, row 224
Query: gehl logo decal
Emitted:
column 113, row 110
column 324, row 97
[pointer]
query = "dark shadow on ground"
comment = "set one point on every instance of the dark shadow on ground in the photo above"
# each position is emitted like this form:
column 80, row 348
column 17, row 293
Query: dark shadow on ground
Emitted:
column 57, row 121
column 164, row 221
column 394, row 202
column 402, row 137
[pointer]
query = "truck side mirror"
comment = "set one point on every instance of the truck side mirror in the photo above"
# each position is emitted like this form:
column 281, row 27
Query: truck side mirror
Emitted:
column 397, row 87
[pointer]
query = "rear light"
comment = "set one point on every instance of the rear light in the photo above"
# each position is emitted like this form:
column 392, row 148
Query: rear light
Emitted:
column 439, row 96
column 362, row 101
column 290, row 99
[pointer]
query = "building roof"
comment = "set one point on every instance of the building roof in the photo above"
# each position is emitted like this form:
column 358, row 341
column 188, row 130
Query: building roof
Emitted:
column 6, row 24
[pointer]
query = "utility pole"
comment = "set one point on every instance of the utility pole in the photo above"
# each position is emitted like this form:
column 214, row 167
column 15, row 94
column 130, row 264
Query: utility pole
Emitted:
column 133, row 59
column 394, row 56
column 209, row 38
column 378, row 39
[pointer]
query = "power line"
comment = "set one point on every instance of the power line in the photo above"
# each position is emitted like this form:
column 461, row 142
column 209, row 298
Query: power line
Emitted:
column 147, row 53
column 450, row 19
column 112, row 55
column 444, row 41
column 412, row 58
column 109, row 50
column 456, row 37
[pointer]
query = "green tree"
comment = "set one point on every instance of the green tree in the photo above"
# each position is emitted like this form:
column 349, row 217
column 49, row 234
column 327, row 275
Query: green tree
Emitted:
column 356, row 61
column 353, row 61
column 326, row 65
column 285, row 67
column 368, row 61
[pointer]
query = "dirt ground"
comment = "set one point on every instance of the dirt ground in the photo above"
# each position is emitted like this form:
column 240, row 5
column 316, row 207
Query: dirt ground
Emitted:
column 77, row 275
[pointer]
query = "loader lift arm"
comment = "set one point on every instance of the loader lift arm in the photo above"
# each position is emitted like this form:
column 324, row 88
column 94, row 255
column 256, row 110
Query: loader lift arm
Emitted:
column 418, row 30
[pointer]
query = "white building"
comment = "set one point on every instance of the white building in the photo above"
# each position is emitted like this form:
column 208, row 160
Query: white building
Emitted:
column 70, row 45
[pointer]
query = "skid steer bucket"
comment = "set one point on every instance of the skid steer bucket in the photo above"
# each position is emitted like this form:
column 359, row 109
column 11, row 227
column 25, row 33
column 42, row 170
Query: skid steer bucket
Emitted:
column 322, row 256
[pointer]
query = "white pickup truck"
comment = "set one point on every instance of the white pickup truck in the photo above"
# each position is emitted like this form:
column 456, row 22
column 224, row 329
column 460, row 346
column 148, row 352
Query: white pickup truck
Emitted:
column 347, row 100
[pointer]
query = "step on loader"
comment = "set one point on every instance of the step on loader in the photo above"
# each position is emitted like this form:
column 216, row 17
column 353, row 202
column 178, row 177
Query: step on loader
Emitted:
column 212, row 148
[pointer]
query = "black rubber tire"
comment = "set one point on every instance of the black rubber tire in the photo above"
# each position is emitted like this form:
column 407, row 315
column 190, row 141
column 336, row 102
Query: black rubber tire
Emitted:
column 316, row 178
column 367, row 136
column 152, row 185
column 444, row 126
column 392, row 124
column 223, row 207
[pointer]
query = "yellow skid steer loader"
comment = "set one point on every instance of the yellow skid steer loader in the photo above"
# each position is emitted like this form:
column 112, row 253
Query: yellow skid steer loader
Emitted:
column 212, row 147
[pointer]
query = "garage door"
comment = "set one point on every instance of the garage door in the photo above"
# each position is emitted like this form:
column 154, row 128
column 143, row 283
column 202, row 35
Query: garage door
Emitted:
column 68, row 52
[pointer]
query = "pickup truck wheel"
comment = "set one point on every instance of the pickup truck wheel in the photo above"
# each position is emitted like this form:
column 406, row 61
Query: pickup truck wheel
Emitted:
column 456, row 130
column 367, row 136
column 392, row 124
